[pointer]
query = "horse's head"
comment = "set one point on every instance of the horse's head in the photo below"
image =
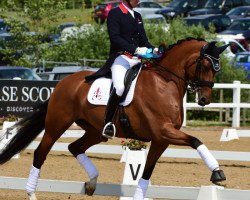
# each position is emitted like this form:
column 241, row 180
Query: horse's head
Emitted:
column 207, row 65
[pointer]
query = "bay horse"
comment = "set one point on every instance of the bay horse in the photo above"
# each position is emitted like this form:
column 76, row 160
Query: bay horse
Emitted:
column 156, row 113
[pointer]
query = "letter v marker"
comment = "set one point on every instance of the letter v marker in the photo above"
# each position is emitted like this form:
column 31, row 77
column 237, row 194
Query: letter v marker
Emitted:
column 134, row 175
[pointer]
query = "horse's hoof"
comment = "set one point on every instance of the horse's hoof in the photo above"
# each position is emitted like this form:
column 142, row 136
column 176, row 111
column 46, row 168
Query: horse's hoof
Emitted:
column 90, row 186
column 217, row 176
column 89, row 189
column 32, row 196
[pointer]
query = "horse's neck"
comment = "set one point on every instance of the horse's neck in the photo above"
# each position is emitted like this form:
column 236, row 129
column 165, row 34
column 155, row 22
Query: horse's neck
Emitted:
column 155, row 79
column 178, row 58
column 176, row 62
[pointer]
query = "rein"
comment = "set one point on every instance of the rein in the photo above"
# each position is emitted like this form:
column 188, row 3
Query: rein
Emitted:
column 162, row 68
column 192, row 84
column 196, row 82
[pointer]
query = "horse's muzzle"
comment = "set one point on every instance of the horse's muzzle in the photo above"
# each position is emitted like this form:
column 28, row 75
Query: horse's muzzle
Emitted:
column 203, row 101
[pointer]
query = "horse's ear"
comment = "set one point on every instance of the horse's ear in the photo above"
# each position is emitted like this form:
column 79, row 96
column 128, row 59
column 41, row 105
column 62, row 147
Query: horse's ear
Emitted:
column 222, row 48
column 208, row 47
column 212, row 44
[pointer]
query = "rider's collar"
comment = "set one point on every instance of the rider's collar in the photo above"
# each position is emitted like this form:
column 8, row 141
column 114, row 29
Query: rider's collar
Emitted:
column 125, row 9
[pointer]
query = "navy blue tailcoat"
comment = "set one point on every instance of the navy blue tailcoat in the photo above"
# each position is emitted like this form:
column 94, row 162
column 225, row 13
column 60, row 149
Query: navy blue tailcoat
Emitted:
column 126, row 33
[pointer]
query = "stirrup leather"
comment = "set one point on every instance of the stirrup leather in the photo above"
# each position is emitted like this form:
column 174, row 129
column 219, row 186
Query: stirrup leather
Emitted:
column 114, row 130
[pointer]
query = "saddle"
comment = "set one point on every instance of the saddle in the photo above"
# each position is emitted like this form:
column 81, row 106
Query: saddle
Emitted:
column 123, row 117
column 100, row 91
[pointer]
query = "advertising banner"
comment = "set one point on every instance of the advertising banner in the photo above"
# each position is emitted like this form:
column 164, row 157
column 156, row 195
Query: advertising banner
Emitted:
column 20, row 97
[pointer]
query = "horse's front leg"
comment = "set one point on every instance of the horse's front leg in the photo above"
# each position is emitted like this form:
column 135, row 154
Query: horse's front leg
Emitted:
column 78, row 148
column 155, row 151
column 177, row 137
column 210, row 161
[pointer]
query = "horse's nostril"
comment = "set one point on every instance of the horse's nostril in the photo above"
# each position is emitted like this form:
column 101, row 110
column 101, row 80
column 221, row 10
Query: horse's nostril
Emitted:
column 202, row 101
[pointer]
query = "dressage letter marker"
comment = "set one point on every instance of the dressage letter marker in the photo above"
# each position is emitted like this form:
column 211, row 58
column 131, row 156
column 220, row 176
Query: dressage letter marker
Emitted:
column 135, row 162
column 8, row 136
column 134, row 175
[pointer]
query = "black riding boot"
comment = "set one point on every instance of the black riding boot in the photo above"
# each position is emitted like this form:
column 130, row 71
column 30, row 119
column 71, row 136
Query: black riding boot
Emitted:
column 112, row 106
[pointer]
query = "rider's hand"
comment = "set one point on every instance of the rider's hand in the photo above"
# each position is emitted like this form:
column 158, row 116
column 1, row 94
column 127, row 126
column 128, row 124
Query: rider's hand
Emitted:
column 141, row 50
column 156, row 51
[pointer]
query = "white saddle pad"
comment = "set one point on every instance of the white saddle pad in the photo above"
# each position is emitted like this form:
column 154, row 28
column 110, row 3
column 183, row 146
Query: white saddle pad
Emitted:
column 100, row 90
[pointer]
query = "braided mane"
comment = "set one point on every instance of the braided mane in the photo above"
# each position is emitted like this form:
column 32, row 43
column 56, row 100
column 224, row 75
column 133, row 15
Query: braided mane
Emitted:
column 183, row 40
column 177, row 43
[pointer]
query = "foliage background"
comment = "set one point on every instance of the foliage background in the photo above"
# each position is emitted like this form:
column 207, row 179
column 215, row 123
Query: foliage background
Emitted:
column 93, row 43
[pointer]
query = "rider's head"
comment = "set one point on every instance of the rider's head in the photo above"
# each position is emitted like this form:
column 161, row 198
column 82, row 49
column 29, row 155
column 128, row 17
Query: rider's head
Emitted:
column 131, row 3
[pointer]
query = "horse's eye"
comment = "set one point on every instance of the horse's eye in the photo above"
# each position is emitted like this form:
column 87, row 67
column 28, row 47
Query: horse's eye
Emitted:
column 206, row 65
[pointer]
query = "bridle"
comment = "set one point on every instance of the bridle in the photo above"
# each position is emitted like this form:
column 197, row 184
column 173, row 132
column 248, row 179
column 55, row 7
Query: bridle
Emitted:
column 197, row 82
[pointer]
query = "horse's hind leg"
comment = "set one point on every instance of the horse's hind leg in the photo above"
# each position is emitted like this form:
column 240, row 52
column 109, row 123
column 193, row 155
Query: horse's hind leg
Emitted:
column 78, row 148
column 54, row 128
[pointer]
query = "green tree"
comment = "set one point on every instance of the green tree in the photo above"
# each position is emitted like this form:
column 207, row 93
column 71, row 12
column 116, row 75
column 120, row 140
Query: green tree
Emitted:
column 176, row 30
column 42, row 13
column 37, row 15
column 91, row 42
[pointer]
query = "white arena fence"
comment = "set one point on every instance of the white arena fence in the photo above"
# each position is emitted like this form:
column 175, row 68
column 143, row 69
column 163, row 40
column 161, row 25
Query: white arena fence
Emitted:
column 154, row 191
column 118, row 150
column 170, row 153
column 236, row 105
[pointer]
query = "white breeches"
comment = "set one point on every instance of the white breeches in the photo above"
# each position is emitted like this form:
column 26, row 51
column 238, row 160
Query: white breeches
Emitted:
column 119, row 68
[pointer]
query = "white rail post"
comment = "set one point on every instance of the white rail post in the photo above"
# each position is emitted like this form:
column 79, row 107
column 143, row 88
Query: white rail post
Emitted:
column 184, row 124
column 135, row 163
column 236, row 101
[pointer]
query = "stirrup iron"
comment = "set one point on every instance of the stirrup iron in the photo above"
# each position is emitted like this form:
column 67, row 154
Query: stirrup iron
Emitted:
column 103, row 131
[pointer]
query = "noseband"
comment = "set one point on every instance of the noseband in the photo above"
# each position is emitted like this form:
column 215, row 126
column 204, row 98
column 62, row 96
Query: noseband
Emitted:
column 197, row 82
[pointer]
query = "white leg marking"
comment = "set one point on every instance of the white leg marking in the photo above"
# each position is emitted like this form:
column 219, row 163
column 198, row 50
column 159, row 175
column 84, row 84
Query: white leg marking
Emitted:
column 208, row 158
column 32, row 182
column 89, row 167
column 141, row 189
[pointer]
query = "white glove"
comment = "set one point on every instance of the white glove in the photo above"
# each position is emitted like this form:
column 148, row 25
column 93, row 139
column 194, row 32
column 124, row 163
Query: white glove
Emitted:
column 155, row 51
column 141, row 50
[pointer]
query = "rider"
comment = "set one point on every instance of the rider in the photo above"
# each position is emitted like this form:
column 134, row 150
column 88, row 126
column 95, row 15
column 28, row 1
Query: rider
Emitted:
column 128, row 39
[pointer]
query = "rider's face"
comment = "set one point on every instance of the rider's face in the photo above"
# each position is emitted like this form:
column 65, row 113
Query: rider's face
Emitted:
column 134, row 3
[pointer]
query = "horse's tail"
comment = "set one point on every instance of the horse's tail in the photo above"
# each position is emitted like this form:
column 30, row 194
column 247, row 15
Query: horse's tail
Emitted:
column 26, row 131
